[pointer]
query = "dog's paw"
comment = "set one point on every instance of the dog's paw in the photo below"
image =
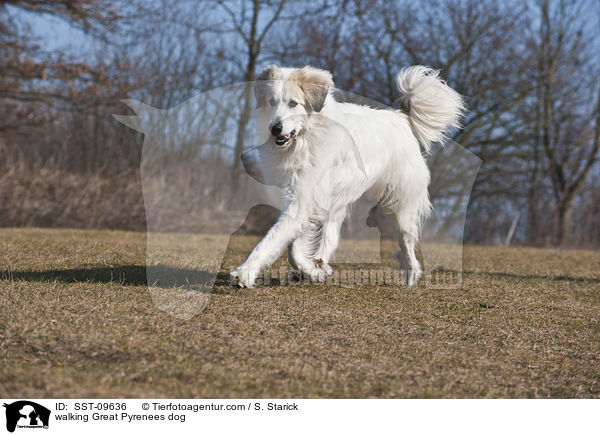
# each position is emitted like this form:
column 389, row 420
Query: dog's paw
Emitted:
column 327, row 269
column 243, row 277
column 410, row 277
column 317, row 275
column 320, row 264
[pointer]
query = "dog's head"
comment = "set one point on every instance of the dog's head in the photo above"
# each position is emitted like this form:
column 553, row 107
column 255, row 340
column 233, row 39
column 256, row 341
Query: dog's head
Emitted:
column 287, row 97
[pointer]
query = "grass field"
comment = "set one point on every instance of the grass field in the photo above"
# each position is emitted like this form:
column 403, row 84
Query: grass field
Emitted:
column 77, row 320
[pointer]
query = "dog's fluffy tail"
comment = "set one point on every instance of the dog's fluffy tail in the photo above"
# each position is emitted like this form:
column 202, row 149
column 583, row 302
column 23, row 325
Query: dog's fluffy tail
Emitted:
column 432, row 106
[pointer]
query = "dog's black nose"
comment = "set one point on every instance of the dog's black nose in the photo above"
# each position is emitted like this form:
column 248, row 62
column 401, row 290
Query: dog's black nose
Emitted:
column 276, row 129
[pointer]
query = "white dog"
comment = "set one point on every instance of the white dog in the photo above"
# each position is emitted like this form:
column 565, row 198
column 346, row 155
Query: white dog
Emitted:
column 326, row 155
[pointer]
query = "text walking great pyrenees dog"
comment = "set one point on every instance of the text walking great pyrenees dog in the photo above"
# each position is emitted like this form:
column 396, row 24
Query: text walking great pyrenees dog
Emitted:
column 326, row 155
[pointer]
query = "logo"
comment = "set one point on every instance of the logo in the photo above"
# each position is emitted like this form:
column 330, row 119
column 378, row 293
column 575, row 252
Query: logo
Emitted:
column 26, row 414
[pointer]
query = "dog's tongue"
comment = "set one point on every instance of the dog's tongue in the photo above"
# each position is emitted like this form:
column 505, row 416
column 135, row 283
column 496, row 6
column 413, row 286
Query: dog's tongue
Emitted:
column 285, row 136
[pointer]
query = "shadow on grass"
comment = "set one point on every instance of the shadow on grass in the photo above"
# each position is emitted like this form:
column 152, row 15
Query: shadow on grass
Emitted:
column 125, row 275
column 169, row 277
column 532, row 276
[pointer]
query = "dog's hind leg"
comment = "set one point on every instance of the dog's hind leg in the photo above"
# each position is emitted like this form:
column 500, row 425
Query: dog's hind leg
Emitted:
column 409, row 265
column 409, row 222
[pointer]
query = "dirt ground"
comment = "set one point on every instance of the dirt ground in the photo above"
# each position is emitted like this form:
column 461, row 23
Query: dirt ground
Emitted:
column 77, row 320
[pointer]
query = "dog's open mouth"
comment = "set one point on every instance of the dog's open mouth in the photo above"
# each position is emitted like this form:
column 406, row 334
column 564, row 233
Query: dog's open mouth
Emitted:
column 284, row 138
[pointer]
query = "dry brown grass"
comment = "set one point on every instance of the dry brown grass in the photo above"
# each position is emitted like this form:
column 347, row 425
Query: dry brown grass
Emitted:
column 76, row 320
column 49, row 197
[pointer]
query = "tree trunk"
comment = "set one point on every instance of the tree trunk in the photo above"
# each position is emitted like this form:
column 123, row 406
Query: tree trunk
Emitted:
column 236, row 170
column 253, row 52
column 563, row 223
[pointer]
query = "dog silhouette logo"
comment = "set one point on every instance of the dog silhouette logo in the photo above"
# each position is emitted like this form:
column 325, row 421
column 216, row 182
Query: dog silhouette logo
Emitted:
column 26, row 414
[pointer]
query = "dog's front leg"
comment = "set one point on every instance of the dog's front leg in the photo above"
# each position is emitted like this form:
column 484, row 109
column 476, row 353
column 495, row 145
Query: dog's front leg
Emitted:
column 301, row 253
column 330, row 239
column 270, row 248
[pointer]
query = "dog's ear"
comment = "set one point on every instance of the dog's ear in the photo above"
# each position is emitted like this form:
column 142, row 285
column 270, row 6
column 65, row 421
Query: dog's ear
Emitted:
column 315, row 84
column 272, row 72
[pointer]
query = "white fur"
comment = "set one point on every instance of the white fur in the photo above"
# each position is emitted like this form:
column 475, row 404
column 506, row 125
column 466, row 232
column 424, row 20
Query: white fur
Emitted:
column 432, row 105
column 322, row 175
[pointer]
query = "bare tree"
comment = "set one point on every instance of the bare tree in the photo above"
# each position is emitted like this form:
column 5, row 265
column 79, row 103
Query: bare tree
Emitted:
column 527, row 68
column 25, row 66
column 567, row 130
column 250, row 26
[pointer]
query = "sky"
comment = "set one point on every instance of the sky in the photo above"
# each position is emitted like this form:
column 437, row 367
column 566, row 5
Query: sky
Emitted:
column 53, row 33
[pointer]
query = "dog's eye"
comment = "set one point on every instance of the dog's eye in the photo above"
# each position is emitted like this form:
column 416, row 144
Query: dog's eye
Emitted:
column 292, row 104
column 272, row 101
